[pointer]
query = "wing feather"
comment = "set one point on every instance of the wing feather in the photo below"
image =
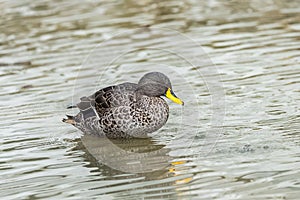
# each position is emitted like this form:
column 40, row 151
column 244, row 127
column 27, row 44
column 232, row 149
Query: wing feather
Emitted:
column 106, row 98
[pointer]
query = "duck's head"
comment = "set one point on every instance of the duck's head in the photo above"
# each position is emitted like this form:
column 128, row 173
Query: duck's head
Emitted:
column 155, row 84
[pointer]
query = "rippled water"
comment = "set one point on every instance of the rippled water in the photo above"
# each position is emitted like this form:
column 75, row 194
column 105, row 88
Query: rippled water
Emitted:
column 234, row 63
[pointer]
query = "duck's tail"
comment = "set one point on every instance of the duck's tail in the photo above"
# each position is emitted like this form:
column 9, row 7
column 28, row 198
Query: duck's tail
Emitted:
column 70, row 120
column 71, row 106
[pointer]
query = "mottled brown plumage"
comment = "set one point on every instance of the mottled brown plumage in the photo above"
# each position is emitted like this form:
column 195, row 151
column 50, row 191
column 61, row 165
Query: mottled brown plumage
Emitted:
column 125, row 110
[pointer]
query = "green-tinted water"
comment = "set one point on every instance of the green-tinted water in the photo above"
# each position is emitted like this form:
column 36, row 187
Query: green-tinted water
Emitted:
column 234, row 63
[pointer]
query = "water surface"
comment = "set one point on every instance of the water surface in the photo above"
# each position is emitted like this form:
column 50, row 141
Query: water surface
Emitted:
column 234, row 63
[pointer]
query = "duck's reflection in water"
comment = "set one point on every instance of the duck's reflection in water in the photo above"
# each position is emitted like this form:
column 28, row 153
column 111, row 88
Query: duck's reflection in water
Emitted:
column 119, row 156
column 128, row 161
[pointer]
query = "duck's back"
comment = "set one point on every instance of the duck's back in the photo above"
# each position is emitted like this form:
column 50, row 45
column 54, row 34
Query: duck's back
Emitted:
column 106, row 99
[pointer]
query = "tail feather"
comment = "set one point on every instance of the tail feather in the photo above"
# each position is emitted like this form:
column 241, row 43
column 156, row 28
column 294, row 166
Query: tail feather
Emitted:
column 71, row 106
column 70, row 120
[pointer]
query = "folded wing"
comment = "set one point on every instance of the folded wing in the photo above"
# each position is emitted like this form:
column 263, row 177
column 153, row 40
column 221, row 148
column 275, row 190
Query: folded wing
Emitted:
column 105, row 99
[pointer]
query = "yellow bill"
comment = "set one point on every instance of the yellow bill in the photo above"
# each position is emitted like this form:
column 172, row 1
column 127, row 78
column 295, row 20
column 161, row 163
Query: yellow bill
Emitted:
column 170, row 95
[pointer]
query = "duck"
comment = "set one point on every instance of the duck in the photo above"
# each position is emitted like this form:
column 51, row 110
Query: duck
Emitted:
column 127, row 110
